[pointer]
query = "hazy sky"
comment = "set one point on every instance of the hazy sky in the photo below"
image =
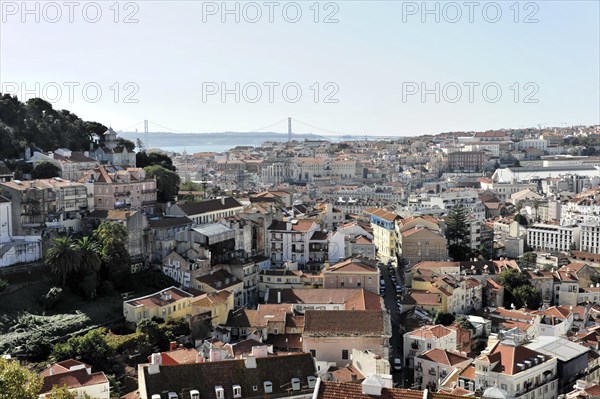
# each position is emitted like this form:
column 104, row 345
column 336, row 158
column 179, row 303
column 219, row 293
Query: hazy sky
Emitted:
column 363, row 67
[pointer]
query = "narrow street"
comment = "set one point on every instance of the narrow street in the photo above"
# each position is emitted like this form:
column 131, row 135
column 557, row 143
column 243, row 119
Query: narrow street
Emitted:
column 390, row 301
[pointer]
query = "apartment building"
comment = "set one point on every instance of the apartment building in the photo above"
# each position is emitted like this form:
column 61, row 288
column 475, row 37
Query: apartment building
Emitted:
column 466, row 160
column 384, row 231
column 46, row 204
column 551, row 237
column 72, row 164
column 330, row 336
column 15, row 249
column 435, row 365
column 426, row 338
column 589, row 240
column 207, row 211
column 517, row 371
column 121, row 189
column 290, row 241
column 170, row 302
column 357, row 272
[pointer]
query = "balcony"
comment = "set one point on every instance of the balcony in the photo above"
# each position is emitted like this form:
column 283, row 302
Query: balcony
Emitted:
column 532, row 386
column 122, row 193
column 149, row 202
column 414, row 345
column 431, row 372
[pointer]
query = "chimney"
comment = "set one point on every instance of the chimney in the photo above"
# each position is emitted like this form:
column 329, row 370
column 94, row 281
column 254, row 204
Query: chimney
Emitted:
column 278, row 296
column 172, row 345
column 215, row 355
column 199, row 357
column 223, row 201
column 51, row 370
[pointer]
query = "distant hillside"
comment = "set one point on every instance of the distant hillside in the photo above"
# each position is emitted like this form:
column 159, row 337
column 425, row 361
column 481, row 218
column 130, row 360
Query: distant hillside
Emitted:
column 222, row 138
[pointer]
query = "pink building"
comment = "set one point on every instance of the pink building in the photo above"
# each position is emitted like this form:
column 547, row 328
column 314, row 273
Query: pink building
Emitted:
column 121, row 189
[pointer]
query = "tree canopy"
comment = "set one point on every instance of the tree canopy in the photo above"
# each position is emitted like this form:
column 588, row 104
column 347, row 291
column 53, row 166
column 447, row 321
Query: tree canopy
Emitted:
column 143, row 159
column 18, row 382
column 45, row 170
column 35, row 124
column 167, row 182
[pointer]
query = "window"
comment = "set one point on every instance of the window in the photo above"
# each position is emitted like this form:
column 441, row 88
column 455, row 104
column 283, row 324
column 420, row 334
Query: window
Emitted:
column 313, row 352
column 429, row 346
column 344, row 354
column 237, row 391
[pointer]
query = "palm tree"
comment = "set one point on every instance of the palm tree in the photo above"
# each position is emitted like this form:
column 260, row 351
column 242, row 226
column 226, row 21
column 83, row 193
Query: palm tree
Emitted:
column 89, row 252
column 63, row 258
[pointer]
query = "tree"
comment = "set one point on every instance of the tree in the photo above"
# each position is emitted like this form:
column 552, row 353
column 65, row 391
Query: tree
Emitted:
column 464, row 323
column 18, row 382
column 144, row 159
column 45, row 170
column 64, row 393
column 92, row 348
column 128, row 144
column 63, row 258
column 528, row 259
column 527, row 296
column 167, row 182
column 444, row 319
column 457, row 232
column 112, row 239
column 517, row 163
column 512, row 279
column 89, row 252
column 480, row 252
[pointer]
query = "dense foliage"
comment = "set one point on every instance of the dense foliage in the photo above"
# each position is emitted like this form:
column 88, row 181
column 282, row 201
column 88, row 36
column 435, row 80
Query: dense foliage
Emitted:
column 35, row 124
column 18, row 382
column 519, row 291
column 143, row 159
column 45, row 170
column 167, row 182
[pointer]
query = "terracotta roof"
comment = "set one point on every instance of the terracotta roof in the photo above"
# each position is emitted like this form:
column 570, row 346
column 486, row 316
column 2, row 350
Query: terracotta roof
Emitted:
column 64, row 367
column 73, row 379
column 158, row 299
column 382, row 213
column 343, row 323
column 442, row 356
column 507, row 357
column 422, row 298
column 468, row 372
column 219, row 279
column 430, row 332
column 357, row 264
column 353, row 298
column 338, row 390
column 346, row 374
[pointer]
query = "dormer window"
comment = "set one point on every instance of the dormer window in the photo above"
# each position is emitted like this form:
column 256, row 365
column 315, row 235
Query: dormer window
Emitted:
column 268, row 385
column 237, row 391
column 220, row 392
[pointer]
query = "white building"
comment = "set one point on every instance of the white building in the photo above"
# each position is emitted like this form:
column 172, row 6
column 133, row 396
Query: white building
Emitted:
column 426, row 338
column 550, row 237
column 589, row 240
column 290, row 241
column 435, row 365
column 15, row 249
column 517, row 371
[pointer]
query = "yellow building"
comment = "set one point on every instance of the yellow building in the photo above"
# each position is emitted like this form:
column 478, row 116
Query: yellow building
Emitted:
column 168, row 303
column 384, row 232
column 215, row 305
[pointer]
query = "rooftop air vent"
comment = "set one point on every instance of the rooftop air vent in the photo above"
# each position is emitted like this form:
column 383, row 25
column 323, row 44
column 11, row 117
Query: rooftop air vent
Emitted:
column 268, row 385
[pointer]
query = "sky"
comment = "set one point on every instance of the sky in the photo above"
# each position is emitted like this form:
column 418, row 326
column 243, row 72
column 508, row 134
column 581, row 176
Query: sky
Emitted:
column 386, row 68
